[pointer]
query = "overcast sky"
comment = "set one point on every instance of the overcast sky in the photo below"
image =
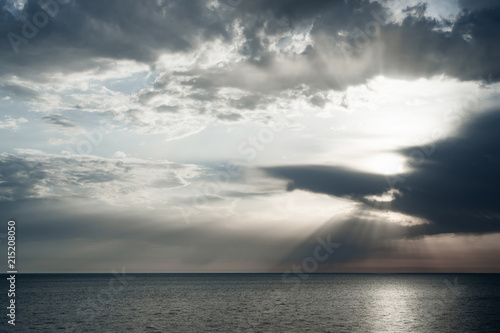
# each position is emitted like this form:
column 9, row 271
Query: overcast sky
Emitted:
column 240, row 135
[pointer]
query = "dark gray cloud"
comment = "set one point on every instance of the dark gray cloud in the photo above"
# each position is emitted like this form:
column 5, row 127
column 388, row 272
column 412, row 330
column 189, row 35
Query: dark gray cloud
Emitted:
column 357, row 18
column 198, row 83
column 335, row 181
column 455, row 184
column 417, row 10
column 58, row 120
column 20, row 177
column 472, row 5
column 142, row 30
column 20, row 91
column 318, row 101
column 137, row 30
column 355, row 41
column 418, row 47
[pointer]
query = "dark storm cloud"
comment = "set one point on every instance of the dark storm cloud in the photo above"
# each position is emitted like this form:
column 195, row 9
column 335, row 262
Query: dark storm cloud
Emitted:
column 416, row 47
column 80, row 31
column 420, row 48
column 83, row 33
column 334, row 181
column 355, row 41
column 456, row 187
column 361, row 37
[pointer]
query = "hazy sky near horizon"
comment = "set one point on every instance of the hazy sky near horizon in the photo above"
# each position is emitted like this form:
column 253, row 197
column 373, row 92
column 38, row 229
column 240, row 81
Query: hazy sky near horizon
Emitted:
column 240, row 135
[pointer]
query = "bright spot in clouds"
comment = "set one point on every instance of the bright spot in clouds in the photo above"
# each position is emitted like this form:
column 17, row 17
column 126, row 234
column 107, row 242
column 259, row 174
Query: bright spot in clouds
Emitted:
column 386, row 164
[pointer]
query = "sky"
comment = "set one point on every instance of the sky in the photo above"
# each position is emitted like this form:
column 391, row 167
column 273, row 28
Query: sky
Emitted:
column 251, row 135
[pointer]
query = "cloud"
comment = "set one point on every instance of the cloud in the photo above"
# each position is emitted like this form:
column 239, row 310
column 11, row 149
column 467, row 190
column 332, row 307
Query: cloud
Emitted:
column 59, row 120
column 167, row 108
column 12, row 123
column 334, row 181
column 20, row 91
column 71, row 32
column 123, row 181
column 203, row 56
column 455, row 186
column 475, row 5
column 416, row 46
column 250, row 102
column 229, row 117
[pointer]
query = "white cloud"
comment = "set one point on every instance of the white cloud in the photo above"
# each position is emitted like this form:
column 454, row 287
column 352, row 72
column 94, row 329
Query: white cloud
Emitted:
column 12, row 123
column 117, row 181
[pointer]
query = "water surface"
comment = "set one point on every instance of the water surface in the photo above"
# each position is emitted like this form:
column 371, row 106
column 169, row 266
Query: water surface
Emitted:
column 257, row 303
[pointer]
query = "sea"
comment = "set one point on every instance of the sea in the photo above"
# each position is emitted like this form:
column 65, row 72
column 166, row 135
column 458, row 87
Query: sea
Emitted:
column 123, row 302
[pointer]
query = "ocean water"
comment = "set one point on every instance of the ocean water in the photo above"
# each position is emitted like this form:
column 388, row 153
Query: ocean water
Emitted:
column 255, row 303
